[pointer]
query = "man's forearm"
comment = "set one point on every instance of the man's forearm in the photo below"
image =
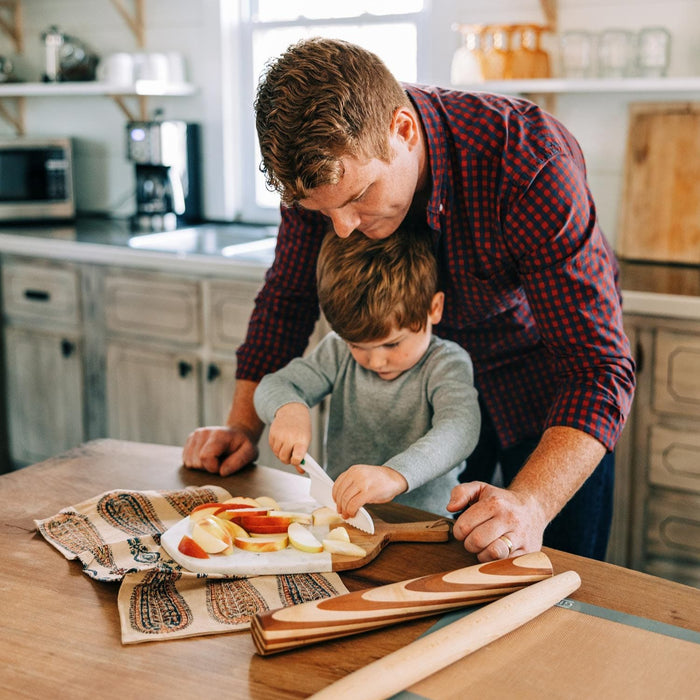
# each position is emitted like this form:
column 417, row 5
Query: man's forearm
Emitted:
column 560, row 464
column 242, row 412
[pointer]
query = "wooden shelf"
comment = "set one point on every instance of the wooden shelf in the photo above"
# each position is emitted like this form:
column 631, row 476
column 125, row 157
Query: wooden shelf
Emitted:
column 586, row 85
column 95, row 88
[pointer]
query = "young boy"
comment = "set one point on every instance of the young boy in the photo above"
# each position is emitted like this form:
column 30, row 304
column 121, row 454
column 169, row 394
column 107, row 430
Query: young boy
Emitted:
column 403, row 412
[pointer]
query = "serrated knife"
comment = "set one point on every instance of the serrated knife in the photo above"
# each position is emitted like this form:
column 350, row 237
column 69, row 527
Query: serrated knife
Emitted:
column 321, row 490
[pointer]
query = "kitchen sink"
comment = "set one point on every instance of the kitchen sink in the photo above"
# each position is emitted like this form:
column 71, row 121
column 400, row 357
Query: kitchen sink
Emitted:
column 239, row 241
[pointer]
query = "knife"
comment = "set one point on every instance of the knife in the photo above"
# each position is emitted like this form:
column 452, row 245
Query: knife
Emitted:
column 321, row 490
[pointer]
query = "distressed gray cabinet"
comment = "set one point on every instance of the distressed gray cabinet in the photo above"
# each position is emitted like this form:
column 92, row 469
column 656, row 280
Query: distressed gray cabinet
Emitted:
column 664, row 479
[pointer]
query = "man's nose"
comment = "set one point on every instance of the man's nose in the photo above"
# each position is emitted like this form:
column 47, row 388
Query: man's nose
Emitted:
column 344, row 222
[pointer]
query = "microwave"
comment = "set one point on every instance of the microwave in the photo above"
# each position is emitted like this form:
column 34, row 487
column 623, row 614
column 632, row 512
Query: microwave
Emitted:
column 36, row 179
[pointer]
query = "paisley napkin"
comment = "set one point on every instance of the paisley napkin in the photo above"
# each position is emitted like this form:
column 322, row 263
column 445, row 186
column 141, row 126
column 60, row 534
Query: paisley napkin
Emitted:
column 116, row 537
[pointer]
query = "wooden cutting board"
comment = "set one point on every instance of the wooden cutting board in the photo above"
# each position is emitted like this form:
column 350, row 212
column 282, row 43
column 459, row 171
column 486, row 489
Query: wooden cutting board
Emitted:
column 293, row 561
column 660, row 208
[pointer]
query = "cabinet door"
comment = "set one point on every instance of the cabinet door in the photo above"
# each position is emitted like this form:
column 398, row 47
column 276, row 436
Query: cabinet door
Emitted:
column 152, row 395
column 677, row 373
column 44, row 393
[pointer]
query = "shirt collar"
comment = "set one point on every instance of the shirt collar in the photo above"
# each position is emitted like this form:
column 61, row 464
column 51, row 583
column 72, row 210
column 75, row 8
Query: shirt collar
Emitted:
column 422, row 98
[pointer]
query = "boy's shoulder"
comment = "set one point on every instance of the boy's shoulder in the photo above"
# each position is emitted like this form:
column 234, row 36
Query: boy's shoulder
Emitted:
column 443, row 347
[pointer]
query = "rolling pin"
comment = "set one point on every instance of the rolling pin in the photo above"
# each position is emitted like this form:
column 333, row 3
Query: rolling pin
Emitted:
column 319, row 620
column 401, row 669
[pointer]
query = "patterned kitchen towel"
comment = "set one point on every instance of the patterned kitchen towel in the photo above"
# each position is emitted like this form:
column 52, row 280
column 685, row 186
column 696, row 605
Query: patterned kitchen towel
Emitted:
column 116, row 537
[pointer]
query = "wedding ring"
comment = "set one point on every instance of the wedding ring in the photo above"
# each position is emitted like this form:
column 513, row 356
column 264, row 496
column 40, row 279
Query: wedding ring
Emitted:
column 508, row 543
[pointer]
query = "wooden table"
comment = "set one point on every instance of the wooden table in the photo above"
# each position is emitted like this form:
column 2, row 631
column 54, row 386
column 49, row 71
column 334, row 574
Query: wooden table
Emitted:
column 59, row 629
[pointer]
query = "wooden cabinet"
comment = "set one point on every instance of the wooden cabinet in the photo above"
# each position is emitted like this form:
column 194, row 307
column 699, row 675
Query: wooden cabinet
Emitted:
column 665, row 449
column 43, row 359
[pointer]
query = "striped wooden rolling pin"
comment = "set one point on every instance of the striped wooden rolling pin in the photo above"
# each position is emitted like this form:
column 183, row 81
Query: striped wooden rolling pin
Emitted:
column 286, row 628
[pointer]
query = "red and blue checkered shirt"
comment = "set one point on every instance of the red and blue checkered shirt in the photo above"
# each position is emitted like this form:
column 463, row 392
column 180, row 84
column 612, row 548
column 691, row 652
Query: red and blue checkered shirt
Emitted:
column 530, row 283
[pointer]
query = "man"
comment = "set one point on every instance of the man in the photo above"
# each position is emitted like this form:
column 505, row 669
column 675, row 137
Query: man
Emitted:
column 530, row 284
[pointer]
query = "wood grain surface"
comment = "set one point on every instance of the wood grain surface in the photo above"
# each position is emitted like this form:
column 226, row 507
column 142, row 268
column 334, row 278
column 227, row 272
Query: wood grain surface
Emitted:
column 286, row 628
column 60, row 635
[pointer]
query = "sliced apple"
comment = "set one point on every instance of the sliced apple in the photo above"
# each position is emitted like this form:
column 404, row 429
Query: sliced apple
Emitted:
column 203, row 511
column 326, row 516
column 243, row 500
column 211, row 537
column 268, row 502
column 303, row 539
column 338, row 533
column 190, row 548
column 265, row 524
column 262, row 544
column 234, row 529
column 294, row 516
column 341, row 547
column 234, row 511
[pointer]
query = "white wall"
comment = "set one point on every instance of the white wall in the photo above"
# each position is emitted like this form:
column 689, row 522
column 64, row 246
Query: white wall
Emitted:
column 204, row 30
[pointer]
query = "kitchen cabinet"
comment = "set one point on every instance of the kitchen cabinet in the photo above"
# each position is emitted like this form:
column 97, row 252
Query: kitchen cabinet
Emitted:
column 664, row 479
column 43, row 346
column 137, row 354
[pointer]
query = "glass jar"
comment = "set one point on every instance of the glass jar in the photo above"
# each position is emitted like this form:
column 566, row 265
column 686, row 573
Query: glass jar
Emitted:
column 653, row 52
column 495, row 52
column 576, row 54
column 616, row 53
column 466, row 62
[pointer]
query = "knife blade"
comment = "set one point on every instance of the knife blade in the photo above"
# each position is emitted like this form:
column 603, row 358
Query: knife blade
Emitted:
column 321, row 490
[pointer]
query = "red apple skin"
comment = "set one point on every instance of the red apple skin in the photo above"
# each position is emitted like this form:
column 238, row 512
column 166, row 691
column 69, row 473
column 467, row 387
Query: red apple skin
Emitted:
column 235, row 511
column 190, row 548
column 265, row 524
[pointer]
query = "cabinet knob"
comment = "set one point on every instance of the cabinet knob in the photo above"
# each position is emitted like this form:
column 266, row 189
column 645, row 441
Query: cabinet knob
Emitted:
column 213, row 372
column 67, row 347
column 184, row 368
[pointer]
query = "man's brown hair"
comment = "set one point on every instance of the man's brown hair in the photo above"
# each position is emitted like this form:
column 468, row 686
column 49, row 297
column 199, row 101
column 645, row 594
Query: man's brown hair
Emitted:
column 319, row 101
column 368, row 288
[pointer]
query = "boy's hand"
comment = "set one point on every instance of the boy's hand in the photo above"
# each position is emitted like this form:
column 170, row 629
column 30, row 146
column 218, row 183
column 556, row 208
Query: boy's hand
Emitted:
column 364, row 483
column 290, row 434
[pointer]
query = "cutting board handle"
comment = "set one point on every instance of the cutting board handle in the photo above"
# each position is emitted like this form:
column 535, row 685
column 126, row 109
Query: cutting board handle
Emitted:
column 428, row 531
column 360, row 611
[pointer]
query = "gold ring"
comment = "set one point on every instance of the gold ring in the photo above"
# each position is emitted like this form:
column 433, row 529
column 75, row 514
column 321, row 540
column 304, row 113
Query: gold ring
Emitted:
column 507, row 542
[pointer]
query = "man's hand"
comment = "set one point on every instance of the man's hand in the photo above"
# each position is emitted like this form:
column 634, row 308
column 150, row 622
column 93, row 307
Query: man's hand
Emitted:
column 497, row 523
column 501, row 522
column 219, row 450
column 290, row 433
column 363, row 483
column 224, row 449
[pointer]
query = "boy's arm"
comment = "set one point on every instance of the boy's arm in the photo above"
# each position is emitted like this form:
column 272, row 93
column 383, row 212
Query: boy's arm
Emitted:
column 456, row 420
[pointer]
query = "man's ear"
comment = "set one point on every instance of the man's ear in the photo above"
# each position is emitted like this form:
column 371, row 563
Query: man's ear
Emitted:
column 405, row 126
column 436, row 307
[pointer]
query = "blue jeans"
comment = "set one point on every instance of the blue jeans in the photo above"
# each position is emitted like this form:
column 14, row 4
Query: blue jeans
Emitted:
column 583, row 525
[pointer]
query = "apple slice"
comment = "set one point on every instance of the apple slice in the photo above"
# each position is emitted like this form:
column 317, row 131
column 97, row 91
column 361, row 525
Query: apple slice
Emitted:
column 268, row 502
column 203, row 511
column 190, row 548
column 234, row 511
column 210, row 536
column 303, row 539
column 234, row 529
column 338, row 533
column 326, row 516
column 294, row 516
column 243, row 500
column 265, row 524
column 262, row 544
column 340, row 547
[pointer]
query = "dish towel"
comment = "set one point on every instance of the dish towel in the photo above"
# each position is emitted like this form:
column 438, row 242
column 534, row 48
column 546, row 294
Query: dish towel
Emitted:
column 116, row 538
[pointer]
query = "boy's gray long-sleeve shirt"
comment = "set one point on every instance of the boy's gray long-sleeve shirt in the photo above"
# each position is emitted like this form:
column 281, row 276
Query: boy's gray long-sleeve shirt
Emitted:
column 423, row 424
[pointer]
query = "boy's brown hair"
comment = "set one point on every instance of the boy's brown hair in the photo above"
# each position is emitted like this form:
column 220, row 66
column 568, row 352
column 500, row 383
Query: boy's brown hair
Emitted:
column 319, row 101
column 368, row 288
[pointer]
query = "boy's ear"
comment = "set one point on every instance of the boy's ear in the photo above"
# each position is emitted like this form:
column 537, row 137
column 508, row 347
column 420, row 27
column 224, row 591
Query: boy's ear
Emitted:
column 436, row 307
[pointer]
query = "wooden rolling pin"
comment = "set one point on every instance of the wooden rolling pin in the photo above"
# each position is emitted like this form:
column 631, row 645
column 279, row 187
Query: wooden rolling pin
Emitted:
column 360, row 611
column 401, row 669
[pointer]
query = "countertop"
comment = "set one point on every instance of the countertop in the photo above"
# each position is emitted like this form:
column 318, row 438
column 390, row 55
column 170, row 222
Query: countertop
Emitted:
column 245, row 251
column 59, row 632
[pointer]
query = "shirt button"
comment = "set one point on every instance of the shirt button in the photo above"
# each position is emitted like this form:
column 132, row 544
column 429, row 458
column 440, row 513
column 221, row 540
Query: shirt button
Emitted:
column 441, row 208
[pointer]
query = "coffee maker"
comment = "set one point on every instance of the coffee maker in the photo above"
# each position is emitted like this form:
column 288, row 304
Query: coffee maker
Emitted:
column 166, row 154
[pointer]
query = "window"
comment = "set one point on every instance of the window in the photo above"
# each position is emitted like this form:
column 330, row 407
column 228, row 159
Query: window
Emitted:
column 389, row 28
